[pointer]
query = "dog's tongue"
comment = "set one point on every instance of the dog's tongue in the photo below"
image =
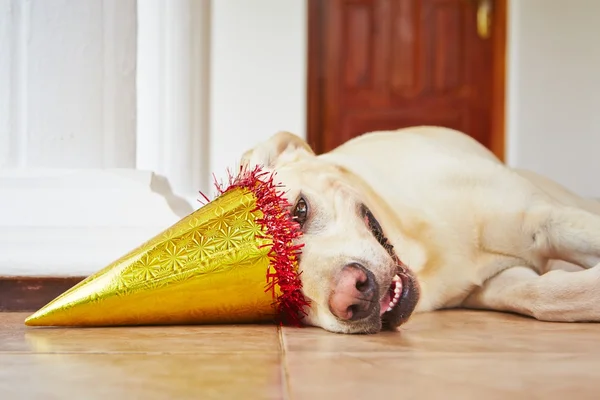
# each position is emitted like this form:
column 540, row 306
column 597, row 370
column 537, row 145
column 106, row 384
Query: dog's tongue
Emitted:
column 385, row 303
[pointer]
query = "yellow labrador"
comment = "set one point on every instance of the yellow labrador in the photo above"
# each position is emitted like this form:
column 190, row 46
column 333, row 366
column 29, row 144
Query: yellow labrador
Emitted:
column 426, row 218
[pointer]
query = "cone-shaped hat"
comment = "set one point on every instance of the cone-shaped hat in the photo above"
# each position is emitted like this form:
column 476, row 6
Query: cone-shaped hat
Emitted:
column 231, row 261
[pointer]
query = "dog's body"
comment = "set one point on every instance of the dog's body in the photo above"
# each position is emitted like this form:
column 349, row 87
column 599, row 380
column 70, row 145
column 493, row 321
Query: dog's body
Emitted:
column 471, row 231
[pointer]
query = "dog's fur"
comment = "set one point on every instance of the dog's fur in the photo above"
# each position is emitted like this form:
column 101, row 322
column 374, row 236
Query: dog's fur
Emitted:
column 474, row 232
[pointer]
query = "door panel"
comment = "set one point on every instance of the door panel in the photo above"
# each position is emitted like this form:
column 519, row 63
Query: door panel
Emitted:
column 388, row 64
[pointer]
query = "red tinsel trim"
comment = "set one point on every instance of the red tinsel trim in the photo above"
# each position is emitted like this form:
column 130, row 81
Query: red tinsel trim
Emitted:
column 282, row 230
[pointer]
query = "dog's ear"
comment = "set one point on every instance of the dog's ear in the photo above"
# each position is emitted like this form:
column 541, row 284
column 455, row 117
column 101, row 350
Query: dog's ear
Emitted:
column 282, row 147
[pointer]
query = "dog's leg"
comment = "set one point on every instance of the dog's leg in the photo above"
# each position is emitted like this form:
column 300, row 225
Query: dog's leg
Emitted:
column 566, row 233
column 559, row 296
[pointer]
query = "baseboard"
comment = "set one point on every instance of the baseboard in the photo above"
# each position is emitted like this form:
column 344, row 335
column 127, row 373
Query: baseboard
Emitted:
column 29, row 294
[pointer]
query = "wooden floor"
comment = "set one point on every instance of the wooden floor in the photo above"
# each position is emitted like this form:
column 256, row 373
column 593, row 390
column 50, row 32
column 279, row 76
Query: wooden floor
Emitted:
column 444, row 355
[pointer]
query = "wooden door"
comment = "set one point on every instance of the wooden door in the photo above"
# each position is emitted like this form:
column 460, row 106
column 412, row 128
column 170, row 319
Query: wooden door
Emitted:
column 388, row 64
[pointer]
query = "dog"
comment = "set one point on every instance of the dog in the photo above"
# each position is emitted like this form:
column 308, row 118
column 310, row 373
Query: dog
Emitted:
column 426, row 218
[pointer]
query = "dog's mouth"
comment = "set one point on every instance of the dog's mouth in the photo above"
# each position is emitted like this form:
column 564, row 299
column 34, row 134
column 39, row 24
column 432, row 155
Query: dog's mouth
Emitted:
column 400, row 300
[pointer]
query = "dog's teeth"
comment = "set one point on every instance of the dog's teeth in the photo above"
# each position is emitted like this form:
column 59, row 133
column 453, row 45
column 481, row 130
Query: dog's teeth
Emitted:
column 397, row 291
column 389, row 309
column 396, row 296
column 391, row 304
column 396, row 278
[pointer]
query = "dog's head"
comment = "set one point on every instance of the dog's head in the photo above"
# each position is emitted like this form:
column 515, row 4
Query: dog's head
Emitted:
column 350, row 271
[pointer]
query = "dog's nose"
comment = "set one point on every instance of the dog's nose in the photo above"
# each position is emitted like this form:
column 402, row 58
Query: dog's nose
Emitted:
column 354, row 295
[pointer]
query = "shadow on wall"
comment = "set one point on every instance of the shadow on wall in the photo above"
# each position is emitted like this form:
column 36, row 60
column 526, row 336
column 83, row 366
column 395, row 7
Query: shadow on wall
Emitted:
column 180, row 206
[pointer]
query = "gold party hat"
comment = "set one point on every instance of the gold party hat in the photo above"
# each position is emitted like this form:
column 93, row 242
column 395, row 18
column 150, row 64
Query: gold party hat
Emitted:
column 231, row 261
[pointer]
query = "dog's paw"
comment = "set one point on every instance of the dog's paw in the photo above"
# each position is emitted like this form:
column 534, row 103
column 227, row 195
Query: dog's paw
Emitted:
column 569, row 296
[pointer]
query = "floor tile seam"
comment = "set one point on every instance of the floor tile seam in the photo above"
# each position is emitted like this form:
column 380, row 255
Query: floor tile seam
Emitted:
column 285, row 376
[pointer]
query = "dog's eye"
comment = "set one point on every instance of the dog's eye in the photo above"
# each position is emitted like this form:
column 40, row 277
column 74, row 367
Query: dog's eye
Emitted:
column 301, row 211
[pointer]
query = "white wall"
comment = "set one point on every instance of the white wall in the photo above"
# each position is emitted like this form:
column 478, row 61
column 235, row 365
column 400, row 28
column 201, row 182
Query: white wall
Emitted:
column 554, row 90
column 258, row 73
column 67, row 87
